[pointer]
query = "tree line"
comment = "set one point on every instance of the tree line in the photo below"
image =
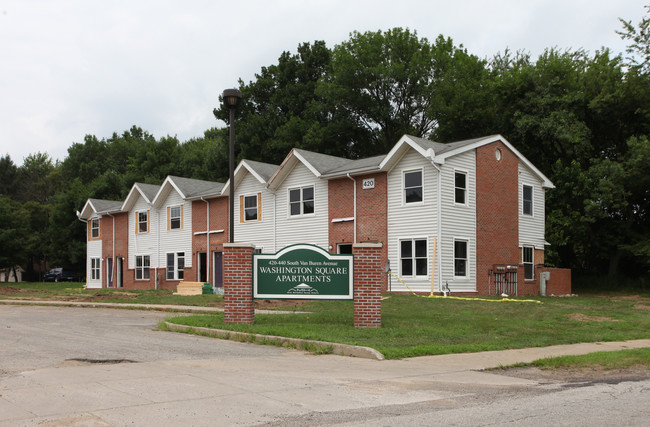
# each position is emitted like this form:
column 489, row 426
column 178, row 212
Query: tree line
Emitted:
column 582, row 118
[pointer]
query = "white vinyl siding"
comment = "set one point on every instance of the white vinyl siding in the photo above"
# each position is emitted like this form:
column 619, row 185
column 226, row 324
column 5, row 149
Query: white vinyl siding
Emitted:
column 93, row 251
column 175, row 240
column 142, row 243
column 314, row 227
column 458, row 221
column 531, row 227
column 258, row 232
column 413, row 220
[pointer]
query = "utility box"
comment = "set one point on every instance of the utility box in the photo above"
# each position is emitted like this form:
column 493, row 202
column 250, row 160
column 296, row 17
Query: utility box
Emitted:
column 544, row 277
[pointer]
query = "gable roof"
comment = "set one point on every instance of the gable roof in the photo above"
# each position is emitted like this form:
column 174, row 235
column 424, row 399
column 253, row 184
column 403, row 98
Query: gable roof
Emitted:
column 318, row 164
column 438, row 152
column 99, row 206
column 187, row 188
column 261, row 171
column 146, row 191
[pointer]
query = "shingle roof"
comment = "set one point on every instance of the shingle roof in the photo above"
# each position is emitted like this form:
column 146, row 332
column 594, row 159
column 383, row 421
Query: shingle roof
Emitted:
column 360, row 165
column 265, row 170
column 194, row 188
column 321, row 162
column 149, row 190
column 102, row 206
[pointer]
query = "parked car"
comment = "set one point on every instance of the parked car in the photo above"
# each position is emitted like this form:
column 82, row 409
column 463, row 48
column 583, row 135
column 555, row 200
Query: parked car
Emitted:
column 59, row 275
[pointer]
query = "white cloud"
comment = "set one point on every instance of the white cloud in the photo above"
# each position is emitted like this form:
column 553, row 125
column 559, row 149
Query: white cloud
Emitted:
column 71, row 68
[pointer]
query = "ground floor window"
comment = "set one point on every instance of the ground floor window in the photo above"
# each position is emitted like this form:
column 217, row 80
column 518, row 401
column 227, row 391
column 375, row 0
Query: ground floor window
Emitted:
column 142, row 264
column 175, row 265
column 528, row 261
column 344, row 248
column 413, row 257
column 94, row 268
column 460, row 258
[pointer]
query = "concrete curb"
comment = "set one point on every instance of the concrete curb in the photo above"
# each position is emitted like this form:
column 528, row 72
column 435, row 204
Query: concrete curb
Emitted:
column 338, row 349
column 127, row 306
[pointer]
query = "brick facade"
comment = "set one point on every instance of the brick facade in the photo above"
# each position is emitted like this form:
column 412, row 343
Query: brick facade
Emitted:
column 218, row 211
column 497, row 212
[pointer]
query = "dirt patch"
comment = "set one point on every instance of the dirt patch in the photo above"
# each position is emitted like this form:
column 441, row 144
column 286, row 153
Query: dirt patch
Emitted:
column 10, row 290
column 642, row 307
column 574, row 375
column 584, row 318
column 267, row 304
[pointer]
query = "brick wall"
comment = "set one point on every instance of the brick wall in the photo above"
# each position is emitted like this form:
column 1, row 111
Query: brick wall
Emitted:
column 368, row 275
column 497, row 211
column 372, row 214
column 238, row 283
column 218, row 221
column 121, row 245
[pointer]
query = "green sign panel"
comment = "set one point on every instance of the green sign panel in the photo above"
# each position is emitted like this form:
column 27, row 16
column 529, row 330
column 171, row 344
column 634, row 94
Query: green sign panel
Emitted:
column 303, row 272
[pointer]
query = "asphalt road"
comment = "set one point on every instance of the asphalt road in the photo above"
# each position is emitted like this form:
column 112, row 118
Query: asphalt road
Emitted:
column 58, row 367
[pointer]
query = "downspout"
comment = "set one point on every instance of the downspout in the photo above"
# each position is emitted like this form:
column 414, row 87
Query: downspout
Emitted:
column 157, row 247
column 266, row 187
column 207, row 238
column 355, row 208
column 438, row 255
column 113, row 254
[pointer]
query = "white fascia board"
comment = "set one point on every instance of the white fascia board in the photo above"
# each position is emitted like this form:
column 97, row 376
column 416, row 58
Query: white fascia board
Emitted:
column 130, row 199
column 87, row 206
column 309, row 166
column 285, row 168
column 163, row 192
column 398, row 150
column 238, row 170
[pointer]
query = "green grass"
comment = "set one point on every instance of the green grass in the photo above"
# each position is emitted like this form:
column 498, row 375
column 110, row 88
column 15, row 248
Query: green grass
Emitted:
column 604, row 359
column 75, row 291
column 415, row 326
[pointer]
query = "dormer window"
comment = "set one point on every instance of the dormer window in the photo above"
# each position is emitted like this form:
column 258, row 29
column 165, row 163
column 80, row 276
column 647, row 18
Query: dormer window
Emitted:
column 94, row 228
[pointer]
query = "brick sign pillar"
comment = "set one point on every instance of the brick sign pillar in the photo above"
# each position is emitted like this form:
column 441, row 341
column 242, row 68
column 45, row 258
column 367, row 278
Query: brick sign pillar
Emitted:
column 238, row 283
column 368, row 273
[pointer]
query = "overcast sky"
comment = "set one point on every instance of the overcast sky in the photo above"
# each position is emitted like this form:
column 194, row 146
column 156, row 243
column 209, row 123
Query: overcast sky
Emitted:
column 69, row 68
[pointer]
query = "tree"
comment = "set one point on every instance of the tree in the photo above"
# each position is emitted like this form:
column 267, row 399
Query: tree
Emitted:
column 640, row 42
column 13, row 232
column 8, row 177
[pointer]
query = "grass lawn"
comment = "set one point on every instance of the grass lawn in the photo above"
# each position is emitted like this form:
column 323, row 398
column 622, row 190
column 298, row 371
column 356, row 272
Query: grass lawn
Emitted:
column 73, row 291
column 415, row 326
column 639, row 357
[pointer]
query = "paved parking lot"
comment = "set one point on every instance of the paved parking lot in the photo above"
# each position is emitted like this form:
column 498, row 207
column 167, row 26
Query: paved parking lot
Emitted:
column 51, row 375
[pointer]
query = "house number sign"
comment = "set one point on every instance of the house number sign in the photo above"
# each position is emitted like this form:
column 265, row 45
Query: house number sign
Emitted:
column 368, row 183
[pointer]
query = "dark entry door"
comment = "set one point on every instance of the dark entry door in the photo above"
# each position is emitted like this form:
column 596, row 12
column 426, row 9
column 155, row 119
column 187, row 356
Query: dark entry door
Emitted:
column 203, row 267
column 218, row 269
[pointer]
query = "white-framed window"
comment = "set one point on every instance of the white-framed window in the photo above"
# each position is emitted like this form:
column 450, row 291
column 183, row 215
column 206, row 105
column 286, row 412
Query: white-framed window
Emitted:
column 527, row 193
column 94, row 228
column 344, row 248
column 175, row 265
column 301, row 201
column 460, row 188
column 460, row 258
column 413, row 191
column 142, row 225
column 95, row 268
column 250, row 208
column 142, row 264
column 175, row 217
column 528, row 259
column 413, row 257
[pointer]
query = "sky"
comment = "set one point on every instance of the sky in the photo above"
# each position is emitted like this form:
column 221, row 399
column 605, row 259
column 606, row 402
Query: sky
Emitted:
column 71, row 68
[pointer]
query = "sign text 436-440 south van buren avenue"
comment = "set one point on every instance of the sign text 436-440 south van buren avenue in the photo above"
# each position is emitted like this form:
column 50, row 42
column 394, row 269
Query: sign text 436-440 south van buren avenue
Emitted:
column 303, row 272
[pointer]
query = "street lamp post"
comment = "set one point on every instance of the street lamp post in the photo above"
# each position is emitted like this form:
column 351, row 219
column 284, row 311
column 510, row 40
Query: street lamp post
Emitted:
column 231, row 99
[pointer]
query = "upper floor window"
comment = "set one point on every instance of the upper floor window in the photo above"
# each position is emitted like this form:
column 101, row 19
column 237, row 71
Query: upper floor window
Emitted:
column 249, row 208
column 94, row 228
column 460, row 188
column 528, row 257
column 413, row 257
column 413, row 186
column 527, row 200
column 175, row 215
column 301, row 201
column 460, row 258
column 143, row 222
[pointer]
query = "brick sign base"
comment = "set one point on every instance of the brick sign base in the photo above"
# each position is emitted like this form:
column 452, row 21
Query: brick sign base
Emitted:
column 238, row 284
